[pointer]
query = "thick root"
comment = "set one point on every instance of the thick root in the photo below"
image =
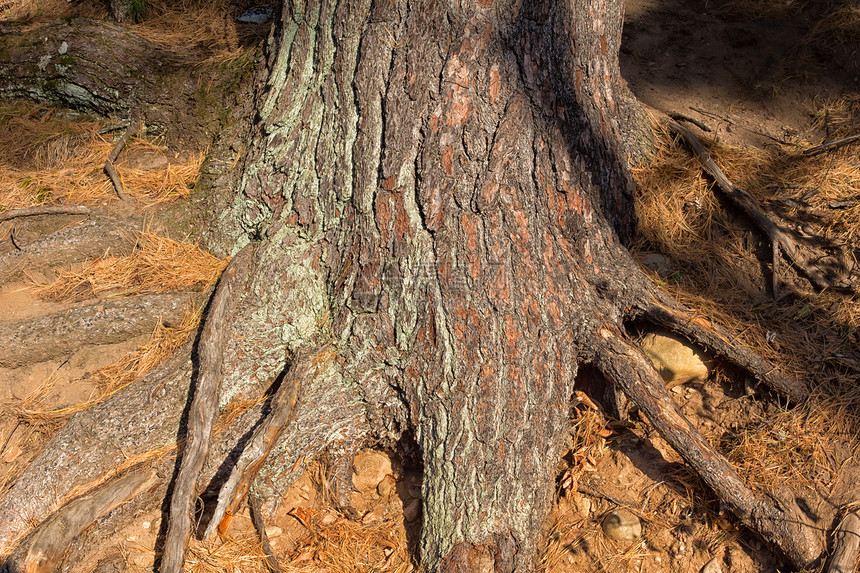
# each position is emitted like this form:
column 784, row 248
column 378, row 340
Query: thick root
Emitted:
column 775, row 522
column 42, row 550
column 105, row 322
column 203, row 409
column 88, row 240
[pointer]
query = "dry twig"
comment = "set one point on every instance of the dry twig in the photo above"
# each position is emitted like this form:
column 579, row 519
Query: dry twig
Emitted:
column 832, row 145
column 743, row 201
column 114, row 155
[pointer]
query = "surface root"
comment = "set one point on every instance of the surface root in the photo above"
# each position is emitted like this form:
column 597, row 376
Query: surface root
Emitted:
column 775, row 522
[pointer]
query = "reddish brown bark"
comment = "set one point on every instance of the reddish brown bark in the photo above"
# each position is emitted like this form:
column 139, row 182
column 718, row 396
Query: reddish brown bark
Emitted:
column 440, row 191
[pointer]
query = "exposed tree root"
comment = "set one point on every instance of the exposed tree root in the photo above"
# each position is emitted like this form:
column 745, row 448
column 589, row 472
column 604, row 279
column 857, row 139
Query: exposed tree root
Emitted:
column 202, row 412
column 104, row 322
column 846, row 544
column 142, row 421
column 304, row 365
column 782, row 527
column 47, row 210
column 780, row 240
column 260, row 526
column 88, row 240
column 42, row 550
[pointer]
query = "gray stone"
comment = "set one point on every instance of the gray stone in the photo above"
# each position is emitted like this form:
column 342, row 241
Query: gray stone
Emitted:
column 712, row 566
column 256, row 15
column 657, row 263
column 677, row 360
column 622, row 525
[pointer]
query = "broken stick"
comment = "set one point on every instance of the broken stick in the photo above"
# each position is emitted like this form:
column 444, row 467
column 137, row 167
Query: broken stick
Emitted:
column 114, row 155
column 832, row 145
column 201, row 414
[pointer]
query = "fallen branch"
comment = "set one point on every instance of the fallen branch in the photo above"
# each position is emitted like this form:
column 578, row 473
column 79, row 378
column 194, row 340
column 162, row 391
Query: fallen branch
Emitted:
column 832, row 145
column 257, row 519
column 42, row 550
column 629, row 369
column 114, row 155
column 204, row 406
column 304, row 365
column 846, row 544
column 681, row 117
column 743, row 201
column 730, row 122
column 47, row 210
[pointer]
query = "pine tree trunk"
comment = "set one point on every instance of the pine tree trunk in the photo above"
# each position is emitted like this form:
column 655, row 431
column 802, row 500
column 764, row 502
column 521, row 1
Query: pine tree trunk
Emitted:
column 457, row 165
column 438, row 194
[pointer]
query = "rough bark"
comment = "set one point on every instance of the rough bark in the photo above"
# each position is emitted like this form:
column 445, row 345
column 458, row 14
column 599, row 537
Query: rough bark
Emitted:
column 439, row 191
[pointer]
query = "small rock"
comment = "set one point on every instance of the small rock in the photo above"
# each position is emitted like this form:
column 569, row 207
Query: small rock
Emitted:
column 256, row 15
column 12, row 454
column 146, row 160
column 712, row 566
column 583, row 506
column 621, row 525
column 676, row 359
column 657, row 263
column 374, row 516
column 386, row 486
column 369, row 468
column 274, row 531
column 328, row 518
column 412, row 510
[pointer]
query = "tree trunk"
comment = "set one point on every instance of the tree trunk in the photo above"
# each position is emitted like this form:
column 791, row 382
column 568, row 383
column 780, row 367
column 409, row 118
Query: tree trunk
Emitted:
column 455, row 166
column 441, row 192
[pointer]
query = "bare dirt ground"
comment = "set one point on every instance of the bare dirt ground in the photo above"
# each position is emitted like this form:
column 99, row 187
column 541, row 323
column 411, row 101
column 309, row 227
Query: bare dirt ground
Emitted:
column 768, row 78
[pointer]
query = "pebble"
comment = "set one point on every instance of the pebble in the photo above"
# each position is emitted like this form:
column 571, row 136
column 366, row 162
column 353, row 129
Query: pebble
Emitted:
column 386, row 486
column 676, row 359
column 712, row 566
column 274, row 531
column 583, row 506
column 621, row 525
column 256, row 15
column 412, row 510
column 369, row 468
column 658, row 263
